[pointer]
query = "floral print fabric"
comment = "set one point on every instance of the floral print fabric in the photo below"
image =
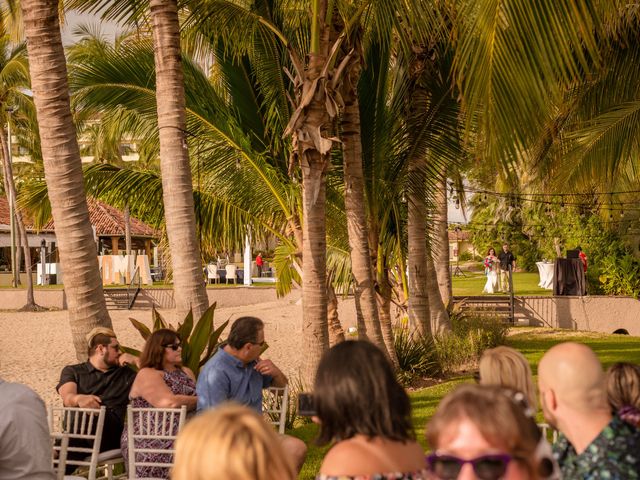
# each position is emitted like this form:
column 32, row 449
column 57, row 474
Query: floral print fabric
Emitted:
column 613, row 455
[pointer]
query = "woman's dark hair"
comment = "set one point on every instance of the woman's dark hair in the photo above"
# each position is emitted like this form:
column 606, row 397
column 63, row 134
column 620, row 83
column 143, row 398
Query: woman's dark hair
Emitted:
column 489, row 251
column 356, row 392
column 244, row 330
column 153, row 352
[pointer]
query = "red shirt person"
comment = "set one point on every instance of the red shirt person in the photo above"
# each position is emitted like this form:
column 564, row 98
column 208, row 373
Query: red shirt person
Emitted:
column 583, row 258
column 259, row 264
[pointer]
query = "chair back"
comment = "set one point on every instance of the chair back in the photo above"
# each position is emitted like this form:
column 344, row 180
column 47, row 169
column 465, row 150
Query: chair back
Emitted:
column 69, row 423
column 545, row 427
column 212, row 271
column 231, row 271
column 145, row 424
column 274, row 406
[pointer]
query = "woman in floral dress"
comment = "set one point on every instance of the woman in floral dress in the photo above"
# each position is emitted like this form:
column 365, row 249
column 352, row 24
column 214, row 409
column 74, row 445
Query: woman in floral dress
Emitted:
column 162, row 382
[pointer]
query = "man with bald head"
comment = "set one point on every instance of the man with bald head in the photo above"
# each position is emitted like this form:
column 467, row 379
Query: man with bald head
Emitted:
column 594, row 444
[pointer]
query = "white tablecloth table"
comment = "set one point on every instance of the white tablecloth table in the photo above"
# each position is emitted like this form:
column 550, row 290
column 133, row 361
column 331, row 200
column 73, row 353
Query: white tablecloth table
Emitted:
column 546, row 270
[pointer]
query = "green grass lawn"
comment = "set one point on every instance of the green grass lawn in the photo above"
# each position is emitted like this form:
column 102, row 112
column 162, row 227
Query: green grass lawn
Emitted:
column 531, row 342
column 473, row 283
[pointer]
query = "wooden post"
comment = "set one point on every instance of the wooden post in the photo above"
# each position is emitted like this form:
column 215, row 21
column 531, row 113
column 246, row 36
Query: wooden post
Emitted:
column 114, row 245
column 147, row 248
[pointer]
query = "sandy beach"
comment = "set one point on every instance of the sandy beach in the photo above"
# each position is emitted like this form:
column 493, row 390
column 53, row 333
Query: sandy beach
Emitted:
column 34, row 347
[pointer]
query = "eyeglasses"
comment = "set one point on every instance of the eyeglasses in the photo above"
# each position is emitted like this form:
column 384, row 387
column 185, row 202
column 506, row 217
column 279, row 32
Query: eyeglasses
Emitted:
column 261, row 344
column 115, row 347
column 486, row 467
column 173, row 346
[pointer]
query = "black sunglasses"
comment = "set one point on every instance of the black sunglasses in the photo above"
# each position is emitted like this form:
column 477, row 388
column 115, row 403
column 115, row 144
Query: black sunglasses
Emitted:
column 173, row 346
column 486, row 467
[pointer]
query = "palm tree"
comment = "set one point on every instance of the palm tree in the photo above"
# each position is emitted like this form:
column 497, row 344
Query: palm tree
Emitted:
column 63, row 171
column 177, row 186
column 14, row 72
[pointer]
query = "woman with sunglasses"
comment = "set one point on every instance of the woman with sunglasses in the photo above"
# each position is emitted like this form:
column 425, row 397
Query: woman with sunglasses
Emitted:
column 362, row 409
column 162, row 382
column 482, row 432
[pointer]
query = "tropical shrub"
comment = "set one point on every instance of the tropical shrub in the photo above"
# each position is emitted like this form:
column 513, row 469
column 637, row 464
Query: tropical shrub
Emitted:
column 621, row 276
column 468, row 338
column 420, row 356
column 199, row 341
column 417, row 357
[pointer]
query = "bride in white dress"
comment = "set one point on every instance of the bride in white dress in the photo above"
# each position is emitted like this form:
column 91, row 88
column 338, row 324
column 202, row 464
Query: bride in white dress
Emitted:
column 491, row 270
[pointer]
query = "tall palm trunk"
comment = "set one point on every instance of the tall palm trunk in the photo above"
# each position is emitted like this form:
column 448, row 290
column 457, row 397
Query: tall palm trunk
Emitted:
column 437, row 309
column 418, row 311
column 314, row 269
column 384, row 302
column 336, row 332
column 63, row 171
column 440, row 242
column 307, row 127
column 127, row 229
column 10, row 188
column 355, row 209
column 188, row 285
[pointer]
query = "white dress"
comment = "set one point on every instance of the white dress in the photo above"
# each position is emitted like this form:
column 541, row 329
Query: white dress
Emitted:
column 492, row 277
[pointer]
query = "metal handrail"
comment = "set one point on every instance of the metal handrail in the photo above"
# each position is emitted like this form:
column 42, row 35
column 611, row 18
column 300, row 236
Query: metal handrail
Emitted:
column 512, row 310
column 131, row 297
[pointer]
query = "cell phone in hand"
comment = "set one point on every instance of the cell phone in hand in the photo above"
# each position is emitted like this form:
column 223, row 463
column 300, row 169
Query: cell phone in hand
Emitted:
column 306, row 405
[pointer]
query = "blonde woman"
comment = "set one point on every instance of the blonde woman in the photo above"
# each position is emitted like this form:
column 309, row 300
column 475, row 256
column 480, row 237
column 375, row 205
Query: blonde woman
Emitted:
column 230, row 441
column 506, row 367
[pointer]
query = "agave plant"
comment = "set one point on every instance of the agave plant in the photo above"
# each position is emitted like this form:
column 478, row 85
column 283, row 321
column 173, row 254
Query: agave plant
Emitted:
column 199, row 341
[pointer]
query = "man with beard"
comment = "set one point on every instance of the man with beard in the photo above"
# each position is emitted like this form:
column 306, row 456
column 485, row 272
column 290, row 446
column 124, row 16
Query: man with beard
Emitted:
column 102, row 380
column 594, row 443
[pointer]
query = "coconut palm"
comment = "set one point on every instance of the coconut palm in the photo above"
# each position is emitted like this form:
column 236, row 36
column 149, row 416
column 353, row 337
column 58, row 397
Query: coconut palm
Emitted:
column 189, row 288
column 14, row 72
column 63, row 171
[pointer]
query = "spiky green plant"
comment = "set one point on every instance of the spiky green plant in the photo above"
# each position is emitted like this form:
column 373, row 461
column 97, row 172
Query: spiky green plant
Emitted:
column 199, row 341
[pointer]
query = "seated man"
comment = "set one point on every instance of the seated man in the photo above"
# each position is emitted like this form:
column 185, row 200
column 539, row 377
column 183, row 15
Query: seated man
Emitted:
column 237, row 373
column 25, row 446
column 102, row 380
column 594, row 444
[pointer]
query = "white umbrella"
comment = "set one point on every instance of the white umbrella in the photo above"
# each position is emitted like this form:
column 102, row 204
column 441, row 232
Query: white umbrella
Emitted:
column 247, row 260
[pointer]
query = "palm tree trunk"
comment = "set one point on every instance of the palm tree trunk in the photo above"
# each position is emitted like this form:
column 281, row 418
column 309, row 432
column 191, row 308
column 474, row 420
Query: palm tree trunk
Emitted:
column 314, row 268
column 127, row 229
column 188, row 285
column 440, row 242
column 18, row 250
column 354, row 198
column 418, row 310
column 336, row 332
column 437, row 309
column 384, row 303
column 63, row 171
column 307, row 127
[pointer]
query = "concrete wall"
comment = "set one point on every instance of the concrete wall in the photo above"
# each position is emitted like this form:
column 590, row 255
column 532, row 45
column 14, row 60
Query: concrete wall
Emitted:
column 15, row 298
column 225, row 297
column 592, row 313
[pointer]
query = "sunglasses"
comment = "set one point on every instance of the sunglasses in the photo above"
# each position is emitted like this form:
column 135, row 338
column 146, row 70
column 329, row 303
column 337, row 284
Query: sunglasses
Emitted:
column 486, row 467
column 173, row 346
